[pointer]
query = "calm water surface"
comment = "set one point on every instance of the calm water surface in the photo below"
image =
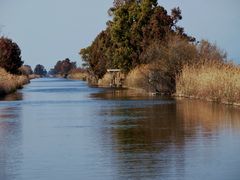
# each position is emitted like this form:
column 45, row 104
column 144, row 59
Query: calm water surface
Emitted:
column 63, row 130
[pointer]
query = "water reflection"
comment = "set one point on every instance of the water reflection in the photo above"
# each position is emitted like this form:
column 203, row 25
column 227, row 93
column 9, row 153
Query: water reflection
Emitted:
column 10, row 142
column 17, row 96
column 210, row 116
column 80, row 133
column 155, row 141
column 122, row 94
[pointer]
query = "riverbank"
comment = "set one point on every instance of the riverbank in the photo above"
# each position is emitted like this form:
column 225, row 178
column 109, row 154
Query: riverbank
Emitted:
column 10, row 83
column 212, row 82
column 83, row 76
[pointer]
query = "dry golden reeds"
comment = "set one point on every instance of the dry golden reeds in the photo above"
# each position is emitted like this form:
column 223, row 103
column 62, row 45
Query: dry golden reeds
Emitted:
column 138, row 78
column 78, row 76
column 212, row 81
column 105, row 81
column 10, row 83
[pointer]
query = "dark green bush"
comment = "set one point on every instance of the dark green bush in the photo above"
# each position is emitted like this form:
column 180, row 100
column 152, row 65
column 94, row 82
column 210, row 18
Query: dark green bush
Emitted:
column 10, row 55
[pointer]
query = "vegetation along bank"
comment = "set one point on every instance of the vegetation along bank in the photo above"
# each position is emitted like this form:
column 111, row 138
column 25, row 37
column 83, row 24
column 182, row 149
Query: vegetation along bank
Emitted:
column 11, row 77
column 155, row 54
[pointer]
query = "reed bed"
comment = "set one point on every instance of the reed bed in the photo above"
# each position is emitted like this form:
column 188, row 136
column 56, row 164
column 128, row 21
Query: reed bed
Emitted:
column 138, row 78
column 105, row 81
column 78, row 76
column 10, row 83
column 211, row 81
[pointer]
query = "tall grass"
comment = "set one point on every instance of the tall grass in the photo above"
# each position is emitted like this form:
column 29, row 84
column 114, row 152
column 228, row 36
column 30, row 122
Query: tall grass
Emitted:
column 212, row 81
column 150, row 78
column 138, row 78
column 10, row 83
column 105, row 81
column 78, row 74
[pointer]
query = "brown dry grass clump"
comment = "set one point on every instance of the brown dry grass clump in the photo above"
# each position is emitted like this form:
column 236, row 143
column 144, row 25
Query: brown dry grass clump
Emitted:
column 78, row 74
column 138, row 78
column 149, row 78
column 212, row 81
column 33, row 76
column 10, row 83
column 105, row 81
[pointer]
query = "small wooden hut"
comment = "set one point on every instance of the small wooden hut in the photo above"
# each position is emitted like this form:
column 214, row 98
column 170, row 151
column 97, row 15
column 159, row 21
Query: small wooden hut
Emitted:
column 116, row 77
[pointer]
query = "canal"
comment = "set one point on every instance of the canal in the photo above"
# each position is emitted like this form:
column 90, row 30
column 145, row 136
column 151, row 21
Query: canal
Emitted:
column 62, row 129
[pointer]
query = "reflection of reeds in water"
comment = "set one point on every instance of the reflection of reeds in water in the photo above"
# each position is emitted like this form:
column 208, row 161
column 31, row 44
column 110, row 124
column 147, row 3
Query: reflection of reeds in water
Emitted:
column 142, row 129
column 120, row 93
column 151, row 128
column 155, row 137
column 210, row 116
column 17, row 96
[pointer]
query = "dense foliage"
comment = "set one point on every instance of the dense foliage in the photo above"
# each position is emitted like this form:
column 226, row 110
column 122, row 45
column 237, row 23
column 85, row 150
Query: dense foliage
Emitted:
column 40, row 70
column 143, row 40
column 63, row 67
column 10, row 55
column 135, row 26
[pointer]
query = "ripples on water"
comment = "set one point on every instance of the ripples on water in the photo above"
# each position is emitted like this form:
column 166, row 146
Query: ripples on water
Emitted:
column 61, row 129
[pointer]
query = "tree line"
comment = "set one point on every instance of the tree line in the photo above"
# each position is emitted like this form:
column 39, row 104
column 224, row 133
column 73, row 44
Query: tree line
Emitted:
column 11, row 61
column 140, row 32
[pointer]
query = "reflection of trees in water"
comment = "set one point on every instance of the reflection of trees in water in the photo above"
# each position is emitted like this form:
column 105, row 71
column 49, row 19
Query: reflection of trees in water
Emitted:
column 17, row 96
column 144, row 147
column 10, row 142
column 151, row 141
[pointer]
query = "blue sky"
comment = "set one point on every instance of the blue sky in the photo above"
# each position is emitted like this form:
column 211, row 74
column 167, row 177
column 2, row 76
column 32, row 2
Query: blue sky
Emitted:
column 52, row 30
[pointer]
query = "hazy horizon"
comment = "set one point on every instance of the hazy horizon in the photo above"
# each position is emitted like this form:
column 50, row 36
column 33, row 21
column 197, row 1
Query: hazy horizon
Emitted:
column 48, row 31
